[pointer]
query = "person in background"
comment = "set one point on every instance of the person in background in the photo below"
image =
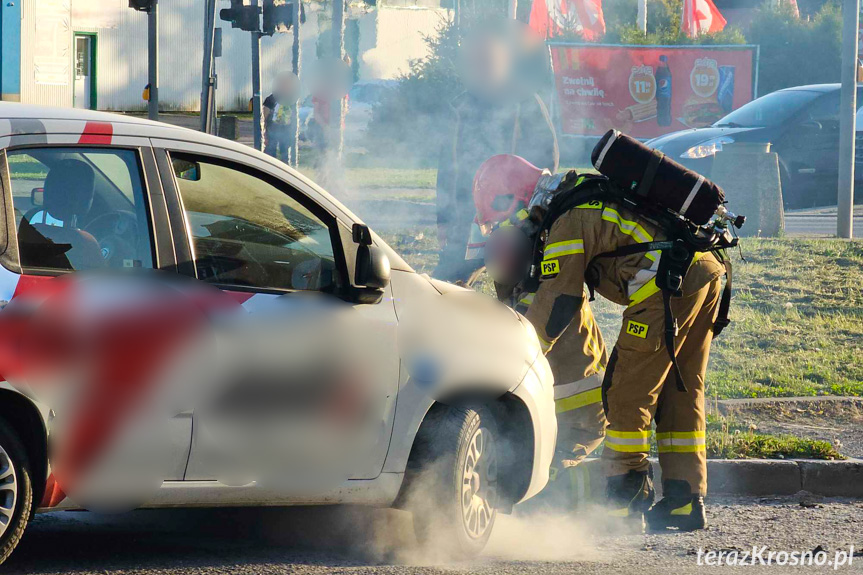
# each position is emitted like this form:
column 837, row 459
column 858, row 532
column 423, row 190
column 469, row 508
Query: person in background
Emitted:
column 502, row 64
column 279, row 107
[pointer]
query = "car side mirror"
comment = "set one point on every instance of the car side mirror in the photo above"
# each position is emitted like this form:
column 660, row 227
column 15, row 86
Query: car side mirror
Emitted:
column 372, row 274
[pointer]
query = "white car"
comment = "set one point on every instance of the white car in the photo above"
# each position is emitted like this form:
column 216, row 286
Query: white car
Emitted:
column 86, row 191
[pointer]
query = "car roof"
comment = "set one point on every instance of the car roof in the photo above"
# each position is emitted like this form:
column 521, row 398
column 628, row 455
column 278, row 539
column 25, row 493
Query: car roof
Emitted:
column 815, row 88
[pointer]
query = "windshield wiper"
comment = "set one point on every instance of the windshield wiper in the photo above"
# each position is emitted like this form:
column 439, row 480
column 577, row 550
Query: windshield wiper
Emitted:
column 729, row 125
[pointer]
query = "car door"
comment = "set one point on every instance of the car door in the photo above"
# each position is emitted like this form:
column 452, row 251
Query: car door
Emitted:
column 81, row 208
column 809, row 151
column 254, row 235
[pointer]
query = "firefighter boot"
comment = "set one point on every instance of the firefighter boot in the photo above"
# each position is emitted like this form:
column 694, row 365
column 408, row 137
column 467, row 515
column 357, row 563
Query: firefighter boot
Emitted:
column 678, row 508
column 628, row 497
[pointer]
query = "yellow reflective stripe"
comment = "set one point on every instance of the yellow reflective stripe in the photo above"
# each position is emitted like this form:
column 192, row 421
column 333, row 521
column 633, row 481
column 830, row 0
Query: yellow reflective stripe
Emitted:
column 563, row 248
column 506, row 224
column 685, row 510
column 628, row 227
column 522, row 214
column 528, row 299
column 644, row 292
column 681, row 441
column 628, row 441
column 588, row 397
column 618, row 512
column 641, row 448
column 681, row 448
column 629, row 434
column 544, row 345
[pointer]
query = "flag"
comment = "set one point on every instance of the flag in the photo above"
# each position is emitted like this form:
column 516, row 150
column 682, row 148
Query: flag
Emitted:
column 551, row 18
column 700, row 16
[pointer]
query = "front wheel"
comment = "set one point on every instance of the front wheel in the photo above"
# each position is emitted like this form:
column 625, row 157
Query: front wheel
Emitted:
column 453, row 476
column 16, row 491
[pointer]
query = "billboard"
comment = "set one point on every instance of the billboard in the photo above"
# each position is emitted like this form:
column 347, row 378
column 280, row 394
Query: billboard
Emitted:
column 647, row 91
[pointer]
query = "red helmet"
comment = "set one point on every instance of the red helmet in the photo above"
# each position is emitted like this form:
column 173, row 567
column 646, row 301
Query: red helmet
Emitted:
column 502, row 185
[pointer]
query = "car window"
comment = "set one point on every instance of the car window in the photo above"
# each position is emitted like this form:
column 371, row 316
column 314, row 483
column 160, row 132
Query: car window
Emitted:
column 80, row 208
column 770, row 110
column 825, row 111
column 248, row 232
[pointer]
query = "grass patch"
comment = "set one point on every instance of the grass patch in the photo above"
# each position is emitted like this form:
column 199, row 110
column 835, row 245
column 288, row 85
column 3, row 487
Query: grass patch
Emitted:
column 797, row 317
column 727, row 439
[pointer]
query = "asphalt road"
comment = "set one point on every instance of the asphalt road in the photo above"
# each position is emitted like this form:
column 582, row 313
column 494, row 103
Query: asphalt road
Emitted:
column 326, row 540
column 819, row 222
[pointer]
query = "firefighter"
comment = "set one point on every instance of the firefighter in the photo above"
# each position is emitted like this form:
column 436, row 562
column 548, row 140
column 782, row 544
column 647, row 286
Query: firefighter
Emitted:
column 639, row 385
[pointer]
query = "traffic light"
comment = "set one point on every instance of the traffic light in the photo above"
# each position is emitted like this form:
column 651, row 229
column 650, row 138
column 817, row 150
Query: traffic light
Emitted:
column 141, row 5
column 279, row 16
column 241, row 16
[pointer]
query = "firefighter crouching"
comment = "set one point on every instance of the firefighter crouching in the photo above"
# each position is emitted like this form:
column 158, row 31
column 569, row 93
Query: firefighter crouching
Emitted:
column 635, row 247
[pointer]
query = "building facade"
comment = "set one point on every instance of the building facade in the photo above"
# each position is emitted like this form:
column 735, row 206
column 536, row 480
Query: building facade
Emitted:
column 93, row 53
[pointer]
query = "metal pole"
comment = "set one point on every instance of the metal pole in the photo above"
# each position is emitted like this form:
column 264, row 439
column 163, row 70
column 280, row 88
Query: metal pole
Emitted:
column 847, row 111
column 642, row 16
column 153, row 60
column 207, row 92
column 295, row 68
column 336, row 108
column 257, row 120
column 512, row 9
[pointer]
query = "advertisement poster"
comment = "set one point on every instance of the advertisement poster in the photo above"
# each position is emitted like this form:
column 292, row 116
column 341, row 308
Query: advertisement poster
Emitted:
column 647, row 91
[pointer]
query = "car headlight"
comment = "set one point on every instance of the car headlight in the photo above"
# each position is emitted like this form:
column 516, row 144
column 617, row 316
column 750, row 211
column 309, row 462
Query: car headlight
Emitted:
column 708, row 148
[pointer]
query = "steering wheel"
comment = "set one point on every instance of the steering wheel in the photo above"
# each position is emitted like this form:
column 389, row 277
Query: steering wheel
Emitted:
column 117, row 234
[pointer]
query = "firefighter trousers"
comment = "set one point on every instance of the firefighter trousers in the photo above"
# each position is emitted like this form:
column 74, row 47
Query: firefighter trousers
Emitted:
column 578, row 361
column 640, row 386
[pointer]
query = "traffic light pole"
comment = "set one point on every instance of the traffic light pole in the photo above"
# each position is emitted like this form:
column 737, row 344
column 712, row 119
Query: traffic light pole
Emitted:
column 257, row 124
column 336, row 108
column 153, row 60
column 847, row 112
column 295, row 68
column 208, row 91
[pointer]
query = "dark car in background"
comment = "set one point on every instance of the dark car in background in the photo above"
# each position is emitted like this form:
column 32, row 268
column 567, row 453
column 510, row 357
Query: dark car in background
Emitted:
column 801, row 124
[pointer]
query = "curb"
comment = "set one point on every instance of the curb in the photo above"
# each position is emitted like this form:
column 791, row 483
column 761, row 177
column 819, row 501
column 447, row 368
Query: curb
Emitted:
column 768, row 476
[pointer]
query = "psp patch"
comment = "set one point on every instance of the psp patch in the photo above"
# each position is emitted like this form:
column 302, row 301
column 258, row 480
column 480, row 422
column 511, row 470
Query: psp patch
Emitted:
column 637, row 329
column 549, row 268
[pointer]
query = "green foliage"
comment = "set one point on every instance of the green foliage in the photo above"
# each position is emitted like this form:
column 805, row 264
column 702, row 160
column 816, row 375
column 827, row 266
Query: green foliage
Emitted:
column 796, row 51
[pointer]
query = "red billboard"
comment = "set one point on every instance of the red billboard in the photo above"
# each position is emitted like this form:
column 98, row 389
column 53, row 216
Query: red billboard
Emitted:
column 647, row 91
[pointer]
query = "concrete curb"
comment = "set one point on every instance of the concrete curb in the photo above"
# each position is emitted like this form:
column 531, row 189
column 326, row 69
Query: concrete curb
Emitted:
column 769, row 476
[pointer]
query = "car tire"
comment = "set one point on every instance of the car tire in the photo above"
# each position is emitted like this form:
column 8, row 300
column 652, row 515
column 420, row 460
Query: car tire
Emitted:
column 453, row 475
column 16, row 490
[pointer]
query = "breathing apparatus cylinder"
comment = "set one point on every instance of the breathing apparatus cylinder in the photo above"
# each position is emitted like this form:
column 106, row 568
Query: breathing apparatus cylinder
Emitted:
column 652, row 178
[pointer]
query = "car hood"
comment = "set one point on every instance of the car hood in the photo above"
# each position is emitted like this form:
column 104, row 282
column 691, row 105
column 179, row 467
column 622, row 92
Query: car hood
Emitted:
column 676, row 143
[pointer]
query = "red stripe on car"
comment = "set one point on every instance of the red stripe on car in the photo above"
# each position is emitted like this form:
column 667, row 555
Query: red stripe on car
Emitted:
column 99, row 133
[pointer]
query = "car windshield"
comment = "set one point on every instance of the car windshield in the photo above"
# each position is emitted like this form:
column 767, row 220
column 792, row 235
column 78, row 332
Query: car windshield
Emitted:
column 770, row 110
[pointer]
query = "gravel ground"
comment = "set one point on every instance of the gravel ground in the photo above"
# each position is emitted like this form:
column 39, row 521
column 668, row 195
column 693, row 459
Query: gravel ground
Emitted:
column 336, row 540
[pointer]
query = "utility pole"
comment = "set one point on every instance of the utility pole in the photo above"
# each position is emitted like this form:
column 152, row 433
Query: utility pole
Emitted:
column 295, row 68
column 336, row 108
column 642, row 16
column 153, row 59
column 208, row 77
column 257, row 120
column 847, row 112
